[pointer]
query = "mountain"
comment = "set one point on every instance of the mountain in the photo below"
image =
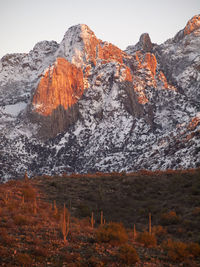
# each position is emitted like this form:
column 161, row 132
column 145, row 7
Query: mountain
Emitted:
column 84, row 105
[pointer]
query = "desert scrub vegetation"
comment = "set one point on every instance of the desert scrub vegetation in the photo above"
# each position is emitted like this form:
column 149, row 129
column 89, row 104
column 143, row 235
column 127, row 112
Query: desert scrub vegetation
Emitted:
column 23, row 259
column 20, row 220
column 179, row 251
column 28, row 192
column 127, row 254
column 113, row 233
column 33, row 231
column 159, row 231
column 169, row 218
column 147, row 239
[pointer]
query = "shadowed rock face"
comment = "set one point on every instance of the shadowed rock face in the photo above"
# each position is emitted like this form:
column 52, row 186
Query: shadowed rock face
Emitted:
column 57, row 122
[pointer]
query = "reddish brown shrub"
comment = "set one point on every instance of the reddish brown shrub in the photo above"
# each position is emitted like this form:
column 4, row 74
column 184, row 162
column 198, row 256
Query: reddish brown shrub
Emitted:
column 159, row 230
column 4, row 252
column 5, row 238
column 23, row 259
column 21, row 220
column 170, row 218
column 71, row 257
column 12, row 206
column 93, row 261
column 28, row 192
column 196, row 211
column 128, row 255
column 147, row 239
column 40, row 252
column 194, row 249
column 177, row 251
column 113, row 233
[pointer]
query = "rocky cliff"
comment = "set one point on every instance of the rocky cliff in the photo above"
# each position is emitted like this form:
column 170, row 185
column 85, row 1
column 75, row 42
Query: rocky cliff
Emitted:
column 84, row 105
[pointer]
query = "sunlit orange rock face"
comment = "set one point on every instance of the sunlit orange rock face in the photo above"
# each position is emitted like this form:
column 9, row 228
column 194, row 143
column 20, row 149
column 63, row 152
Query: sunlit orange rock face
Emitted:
column 90, row 45
column 194, row 122
column 105, row 51
column 61, row 85
column 96, row 49
column 108, row 52
column 163, row 79
column 150, row 62
column 64, row 82
column 147, row 61
column 129, row 76
column 192, row 25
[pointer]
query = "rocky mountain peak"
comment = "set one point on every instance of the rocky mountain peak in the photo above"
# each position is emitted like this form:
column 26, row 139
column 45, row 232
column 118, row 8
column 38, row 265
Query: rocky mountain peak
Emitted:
column 79, row 57
column 192, row 25
column 85, row 105
column 77, row 45
column 145, row 43
column 45, row 46
column 81, row 47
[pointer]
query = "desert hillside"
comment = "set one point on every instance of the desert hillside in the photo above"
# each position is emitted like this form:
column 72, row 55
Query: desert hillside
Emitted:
column 118, row 219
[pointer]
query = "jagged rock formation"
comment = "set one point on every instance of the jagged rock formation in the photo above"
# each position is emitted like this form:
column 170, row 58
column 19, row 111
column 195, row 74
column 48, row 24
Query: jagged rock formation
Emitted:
column 144, row 45
column 192, row 25
column 84, row 105
column 179, row 59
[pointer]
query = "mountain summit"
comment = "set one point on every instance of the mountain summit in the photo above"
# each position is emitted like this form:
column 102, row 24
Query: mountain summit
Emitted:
column 192, row 25
column 85, row 105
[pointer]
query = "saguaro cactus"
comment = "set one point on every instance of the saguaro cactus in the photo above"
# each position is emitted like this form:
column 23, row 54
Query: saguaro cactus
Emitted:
column 26, row 177
column 22, row 199
column 35, row 206
column 134, row 233
column 92, row 220
column 65, row 225
column 149, row 223
column 101, row 217
column 55, row 208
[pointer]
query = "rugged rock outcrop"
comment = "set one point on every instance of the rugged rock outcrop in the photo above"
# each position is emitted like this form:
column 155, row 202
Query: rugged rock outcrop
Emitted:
column 81, row 47
column 179, row 59
column 63, row 83
column 144, row 45
column 192, row 25
column 84, row 105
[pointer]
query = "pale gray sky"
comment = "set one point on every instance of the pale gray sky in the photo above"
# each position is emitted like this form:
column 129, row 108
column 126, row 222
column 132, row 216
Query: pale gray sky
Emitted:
column 121, row 22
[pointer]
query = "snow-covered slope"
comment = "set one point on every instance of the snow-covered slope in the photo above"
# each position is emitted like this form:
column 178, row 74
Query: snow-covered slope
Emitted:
column 124, row 110
column 179, row 58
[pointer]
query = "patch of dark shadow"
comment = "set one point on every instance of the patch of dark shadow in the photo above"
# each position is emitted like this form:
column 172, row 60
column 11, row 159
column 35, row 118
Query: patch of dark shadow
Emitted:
column 129, row 99
column 59, row 121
